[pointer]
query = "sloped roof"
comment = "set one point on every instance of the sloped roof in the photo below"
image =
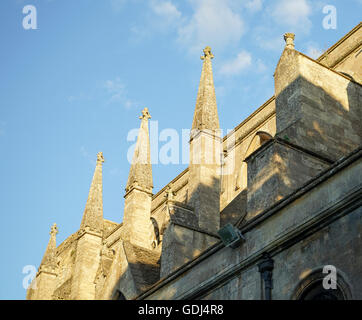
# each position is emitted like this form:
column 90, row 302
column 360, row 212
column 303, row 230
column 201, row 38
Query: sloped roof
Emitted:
column 144, row 265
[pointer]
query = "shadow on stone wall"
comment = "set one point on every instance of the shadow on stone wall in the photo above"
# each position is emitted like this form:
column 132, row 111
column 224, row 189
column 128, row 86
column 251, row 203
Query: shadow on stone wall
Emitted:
column 314, row 129
column 184, row 242
column 310, row 117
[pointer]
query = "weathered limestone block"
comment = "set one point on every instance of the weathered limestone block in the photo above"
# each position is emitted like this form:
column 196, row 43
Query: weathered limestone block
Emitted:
column 86, row 265
column 316, row 108
column 274, row 171
column 182, row 244
column 204, row 179
column 43, row 287
column 136, row 219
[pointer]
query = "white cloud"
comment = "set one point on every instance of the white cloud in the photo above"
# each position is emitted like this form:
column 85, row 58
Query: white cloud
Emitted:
column 116, row 89
column 254, row 5
column 274, row 43
column 163, row 17
column 213, row 22
column 118, row 94
column 294, row 14
column 237, row 65
column 165, row 9
column 166, row 17
column 313, row 51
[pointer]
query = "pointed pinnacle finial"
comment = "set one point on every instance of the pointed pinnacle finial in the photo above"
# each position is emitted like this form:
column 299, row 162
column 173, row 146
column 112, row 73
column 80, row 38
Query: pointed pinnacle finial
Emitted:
column 289, row 39
column 145, row 114
column 93, row 212
column 207, row 53
column 53, row 229
column 100, row 158
column 49, row 261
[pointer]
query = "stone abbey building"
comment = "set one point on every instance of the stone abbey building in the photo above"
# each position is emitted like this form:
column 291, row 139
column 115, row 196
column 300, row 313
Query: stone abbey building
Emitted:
column 270, row 211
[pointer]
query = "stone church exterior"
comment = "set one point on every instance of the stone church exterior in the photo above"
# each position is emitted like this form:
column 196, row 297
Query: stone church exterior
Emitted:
column 270, row 211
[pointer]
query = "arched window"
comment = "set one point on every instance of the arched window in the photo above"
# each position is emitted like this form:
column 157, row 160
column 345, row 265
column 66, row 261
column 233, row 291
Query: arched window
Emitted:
column 311, row 288
column 315, row 291
column 258, row 140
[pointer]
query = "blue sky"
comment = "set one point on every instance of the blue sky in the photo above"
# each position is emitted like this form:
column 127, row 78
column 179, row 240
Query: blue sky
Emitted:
column 77, row 84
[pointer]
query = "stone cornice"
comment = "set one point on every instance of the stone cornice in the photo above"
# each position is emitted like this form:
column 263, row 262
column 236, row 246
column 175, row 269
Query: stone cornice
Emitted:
column 88, row 230
column 197, row 132
column 338, row 43
column 196, row 229
column 48, row 270
column 136, row 187
column 289, row 145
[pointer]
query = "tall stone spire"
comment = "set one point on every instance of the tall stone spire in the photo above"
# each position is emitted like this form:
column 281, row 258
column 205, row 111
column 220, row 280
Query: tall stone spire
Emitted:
column 138, row 197
column 205, row 152
column 205, row 116
column 93, row 213
column 49, row 258
column 90, row 237
column 140, row 175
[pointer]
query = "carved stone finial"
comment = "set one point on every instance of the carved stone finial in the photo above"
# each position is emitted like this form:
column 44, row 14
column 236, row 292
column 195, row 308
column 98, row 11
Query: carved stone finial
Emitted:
column 207, row 53
column 289, row 39
column 145, row 114
column 53, row 229
column 100, row 158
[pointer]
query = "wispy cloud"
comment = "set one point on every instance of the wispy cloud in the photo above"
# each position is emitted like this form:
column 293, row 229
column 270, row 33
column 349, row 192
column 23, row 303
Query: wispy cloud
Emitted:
column 237, row 65
column 217, row 23
column 116, row 89
column 293, row 14
column 241, row 63
column 162, row 17
column 117, row 93
column 313, row 51
column 166, row 10
column 213, row 22
column 269, row 42
column 254, row 5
